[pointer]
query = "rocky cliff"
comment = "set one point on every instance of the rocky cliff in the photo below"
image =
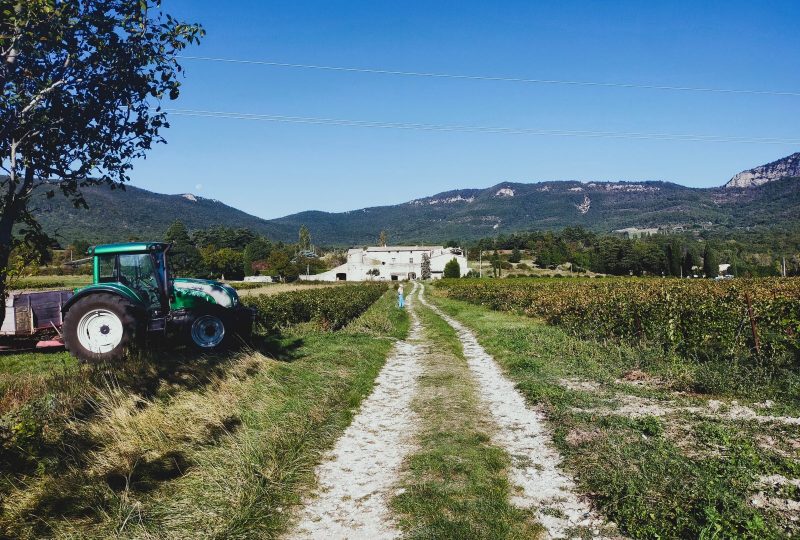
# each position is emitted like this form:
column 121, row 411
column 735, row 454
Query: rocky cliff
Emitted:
column 782, row 168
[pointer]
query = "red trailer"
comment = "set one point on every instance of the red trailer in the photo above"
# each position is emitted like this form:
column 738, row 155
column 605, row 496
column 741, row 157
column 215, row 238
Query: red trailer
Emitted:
column 33, row 318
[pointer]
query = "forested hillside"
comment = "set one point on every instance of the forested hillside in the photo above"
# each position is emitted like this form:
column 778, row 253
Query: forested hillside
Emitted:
column 465, row 214
column 134, row 213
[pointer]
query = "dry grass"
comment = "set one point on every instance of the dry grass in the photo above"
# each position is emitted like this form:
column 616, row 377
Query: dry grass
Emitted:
column 218, row 449
column 278, row 288
column 133, row 432
column 129, row 442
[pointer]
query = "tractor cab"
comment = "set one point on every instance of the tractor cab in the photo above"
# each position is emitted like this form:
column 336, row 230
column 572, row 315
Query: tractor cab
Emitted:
column 138, row 269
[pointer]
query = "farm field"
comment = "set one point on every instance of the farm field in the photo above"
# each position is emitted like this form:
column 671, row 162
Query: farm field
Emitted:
column 51, row 282
column 485, row 409
column 244, row 288
column 524, row 268
column 710, row 320
column 256, row 289
column 669, row 445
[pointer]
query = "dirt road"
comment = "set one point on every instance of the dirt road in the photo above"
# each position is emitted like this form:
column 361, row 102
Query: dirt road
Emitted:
column 360, row 474
column 356, row 477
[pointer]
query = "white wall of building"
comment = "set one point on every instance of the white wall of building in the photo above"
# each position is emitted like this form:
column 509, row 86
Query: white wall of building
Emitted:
column 393, row 263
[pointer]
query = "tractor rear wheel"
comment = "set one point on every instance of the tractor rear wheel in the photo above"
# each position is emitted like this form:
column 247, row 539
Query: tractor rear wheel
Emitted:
column 100, row 327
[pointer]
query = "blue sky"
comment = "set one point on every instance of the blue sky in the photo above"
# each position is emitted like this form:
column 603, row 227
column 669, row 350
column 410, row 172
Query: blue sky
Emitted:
column 273, row 169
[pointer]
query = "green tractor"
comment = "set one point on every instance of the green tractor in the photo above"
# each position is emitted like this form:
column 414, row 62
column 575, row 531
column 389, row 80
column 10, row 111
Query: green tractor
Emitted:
column 133, row 297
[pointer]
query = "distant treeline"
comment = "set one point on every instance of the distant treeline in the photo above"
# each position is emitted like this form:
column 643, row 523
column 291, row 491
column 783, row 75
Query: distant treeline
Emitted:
column 237, row 252
column 657, row 254
column 233, row 253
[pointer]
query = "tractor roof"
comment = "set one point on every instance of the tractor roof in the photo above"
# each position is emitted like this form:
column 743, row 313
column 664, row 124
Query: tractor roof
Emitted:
column 129, row 247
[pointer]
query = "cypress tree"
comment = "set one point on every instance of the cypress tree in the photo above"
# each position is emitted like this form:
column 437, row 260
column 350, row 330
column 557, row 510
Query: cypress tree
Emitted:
column 710, row 262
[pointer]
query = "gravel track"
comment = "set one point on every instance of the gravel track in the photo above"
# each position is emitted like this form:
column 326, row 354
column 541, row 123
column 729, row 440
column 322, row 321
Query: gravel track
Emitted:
column 356, row 478
column 359, row 475
column 543, row 486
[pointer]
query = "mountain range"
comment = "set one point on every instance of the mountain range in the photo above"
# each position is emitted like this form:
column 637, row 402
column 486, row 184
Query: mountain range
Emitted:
column 764, row 196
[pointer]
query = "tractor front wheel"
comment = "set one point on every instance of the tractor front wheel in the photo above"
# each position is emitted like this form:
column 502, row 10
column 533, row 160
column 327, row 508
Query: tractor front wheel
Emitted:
column 209, row 331
column 100, row 327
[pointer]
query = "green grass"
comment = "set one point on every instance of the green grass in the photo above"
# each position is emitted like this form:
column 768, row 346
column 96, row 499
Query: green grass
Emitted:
column 35, row 363
column 384, row 319
column 456, row 485
column 675, row 476
column 223, row 452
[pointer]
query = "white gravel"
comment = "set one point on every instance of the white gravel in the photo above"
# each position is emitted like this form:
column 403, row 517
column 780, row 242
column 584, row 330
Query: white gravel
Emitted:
column 637, row 407
column 543, row 486
column 356, row 478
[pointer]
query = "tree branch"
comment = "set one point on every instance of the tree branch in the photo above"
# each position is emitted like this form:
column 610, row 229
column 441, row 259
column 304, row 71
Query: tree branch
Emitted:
column 40, row 96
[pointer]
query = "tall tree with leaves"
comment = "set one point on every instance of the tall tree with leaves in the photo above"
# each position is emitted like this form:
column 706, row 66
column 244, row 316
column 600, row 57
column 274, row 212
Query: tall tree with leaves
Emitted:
column 256, row 251
column 304, row 238
column 184, row 256
column 425, row 266
column 82, row 83
column 673, row 258
column 688, row 263
column 383, row 239
column 496, row 264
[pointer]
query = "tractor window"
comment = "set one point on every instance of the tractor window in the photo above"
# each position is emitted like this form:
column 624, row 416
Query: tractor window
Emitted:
column 139, row 273
column 108, row 266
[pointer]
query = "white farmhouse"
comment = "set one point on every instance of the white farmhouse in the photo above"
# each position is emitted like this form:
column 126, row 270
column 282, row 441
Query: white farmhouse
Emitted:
column 392, row 263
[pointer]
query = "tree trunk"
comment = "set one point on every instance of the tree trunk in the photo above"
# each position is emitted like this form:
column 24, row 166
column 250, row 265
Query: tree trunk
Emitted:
column 6, row 227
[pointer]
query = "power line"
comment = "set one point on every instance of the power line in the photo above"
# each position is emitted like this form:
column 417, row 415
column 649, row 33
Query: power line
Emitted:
column 479, row 129
column 495, row 79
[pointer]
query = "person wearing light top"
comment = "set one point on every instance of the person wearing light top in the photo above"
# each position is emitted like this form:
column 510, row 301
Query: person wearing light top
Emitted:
column 400, row 301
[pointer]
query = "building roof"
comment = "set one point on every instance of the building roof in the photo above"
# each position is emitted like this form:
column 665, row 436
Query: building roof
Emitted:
column 404, row 248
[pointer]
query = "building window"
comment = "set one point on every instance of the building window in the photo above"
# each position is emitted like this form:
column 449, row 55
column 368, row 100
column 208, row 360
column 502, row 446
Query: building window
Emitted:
column 411, row 260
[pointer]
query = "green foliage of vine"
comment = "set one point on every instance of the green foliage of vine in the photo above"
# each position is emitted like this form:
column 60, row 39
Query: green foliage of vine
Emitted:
column 703, row 319
column 330, row 307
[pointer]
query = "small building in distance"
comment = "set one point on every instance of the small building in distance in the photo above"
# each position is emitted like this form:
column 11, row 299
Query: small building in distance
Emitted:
column 636, row 232
column 391, row 263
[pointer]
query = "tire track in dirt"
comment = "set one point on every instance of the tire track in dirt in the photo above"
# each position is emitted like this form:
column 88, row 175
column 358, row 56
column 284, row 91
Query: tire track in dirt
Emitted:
column 356, row 477
column 522, row 432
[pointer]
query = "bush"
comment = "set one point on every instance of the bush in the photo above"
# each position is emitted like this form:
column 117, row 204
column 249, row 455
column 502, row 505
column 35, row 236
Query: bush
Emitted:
column 452, row 269
column 329, row 307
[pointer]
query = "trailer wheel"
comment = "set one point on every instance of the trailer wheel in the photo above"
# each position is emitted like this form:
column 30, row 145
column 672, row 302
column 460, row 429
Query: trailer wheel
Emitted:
column 100, row 327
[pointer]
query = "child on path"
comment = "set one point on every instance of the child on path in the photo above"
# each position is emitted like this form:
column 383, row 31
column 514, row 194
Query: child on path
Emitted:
column 400, row 301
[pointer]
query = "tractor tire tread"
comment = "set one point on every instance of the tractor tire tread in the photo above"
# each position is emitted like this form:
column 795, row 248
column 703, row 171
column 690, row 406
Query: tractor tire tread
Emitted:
column 122, row 307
